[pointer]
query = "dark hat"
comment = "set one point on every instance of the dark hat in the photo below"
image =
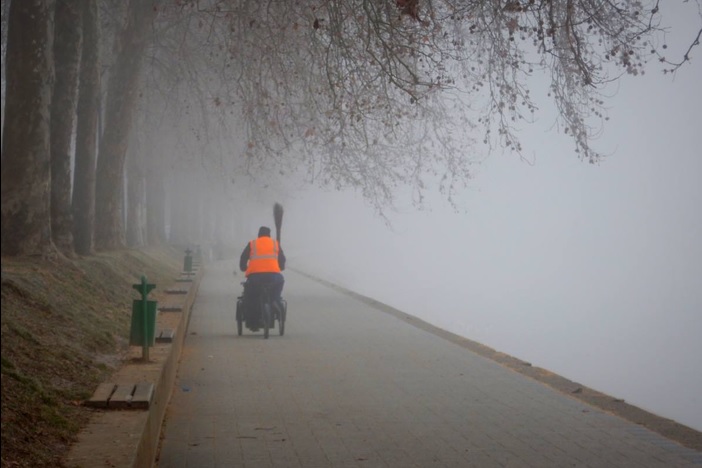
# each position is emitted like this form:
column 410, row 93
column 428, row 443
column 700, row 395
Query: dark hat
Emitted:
column 264, row 231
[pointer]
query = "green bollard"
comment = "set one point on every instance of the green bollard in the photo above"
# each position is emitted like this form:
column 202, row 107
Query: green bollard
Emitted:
column 188, row 263
column 143, row 328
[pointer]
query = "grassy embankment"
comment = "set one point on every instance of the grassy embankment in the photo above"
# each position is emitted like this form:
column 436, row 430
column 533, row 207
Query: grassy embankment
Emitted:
column 65, row 329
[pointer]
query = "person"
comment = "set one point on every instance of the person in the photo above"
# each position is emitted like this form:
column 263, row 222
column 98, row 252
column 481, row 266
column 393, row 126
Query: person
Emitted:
column 262, row 261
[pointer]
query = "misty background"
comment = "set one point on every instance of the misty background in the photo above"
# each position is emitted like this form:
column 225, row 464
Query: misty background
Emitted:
column 591, row 271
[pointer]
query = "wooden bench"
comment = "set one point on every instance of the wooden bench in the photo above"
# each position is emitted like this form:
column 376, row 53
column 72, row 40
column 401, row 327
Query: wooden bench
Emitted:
column 122, row 396
column 165, row 336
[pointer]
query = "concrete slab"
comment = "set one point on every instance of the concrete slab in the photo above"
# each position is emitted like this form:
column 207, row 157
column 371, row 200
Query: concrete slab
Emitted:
column 351, row 385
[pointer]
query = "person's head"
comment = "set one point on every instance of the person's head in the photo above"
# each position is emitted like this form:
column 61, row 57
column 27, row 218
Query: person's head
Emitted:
column 264, row 231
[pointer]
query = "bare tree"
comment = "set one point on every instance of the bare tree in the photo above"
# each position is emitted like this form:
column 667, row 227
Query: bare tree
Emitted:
column 136, row 199
column 4, row 20
column 155, row 206
column 373, row 95
column 376, row 95
column 122, row 94
column 26, row 177
column 67, row 50
column 86, row 132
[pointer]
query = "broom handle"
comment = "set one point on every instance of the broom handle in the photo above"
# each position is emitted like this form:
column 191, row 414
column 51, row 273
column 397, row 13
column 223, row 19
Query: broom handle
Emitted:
column 278, row 218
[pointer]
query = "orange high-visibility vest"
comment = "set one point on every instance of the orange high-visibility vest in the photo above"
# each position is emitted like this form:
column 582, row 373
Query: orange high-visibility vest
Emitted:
column 263, row 257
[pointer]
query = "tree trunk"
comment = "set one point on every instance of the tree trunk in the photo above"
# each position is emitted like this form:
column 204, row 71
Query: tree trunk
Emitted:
column 177, row 215
column 86, row 132
column 26, row 176
column 135, row 200
column 122, row 93
column 4, row 17
column 67, row 43
column 155, row 206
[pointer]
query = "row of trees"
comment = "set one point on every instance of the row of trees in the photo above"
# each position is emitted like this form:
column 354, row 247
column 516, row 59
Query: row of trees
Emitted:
column 194, row 95
column 51, row 48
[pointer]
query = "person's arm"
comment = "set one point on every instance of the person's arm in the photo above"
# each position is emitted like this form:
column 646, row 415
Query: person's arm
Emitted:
column 281, row 258
column 244, row 260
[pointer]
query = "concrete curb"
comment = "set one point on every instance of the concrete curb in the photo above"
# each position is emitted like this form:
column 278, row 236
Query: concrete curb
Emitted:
column 130, row 438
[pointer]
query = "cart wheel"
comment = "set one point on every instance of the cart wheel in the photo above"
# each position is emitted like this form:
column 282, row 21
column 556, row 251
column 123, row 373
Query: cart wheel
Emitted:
column 239, row 317
column 281, row 318
column 266, row 317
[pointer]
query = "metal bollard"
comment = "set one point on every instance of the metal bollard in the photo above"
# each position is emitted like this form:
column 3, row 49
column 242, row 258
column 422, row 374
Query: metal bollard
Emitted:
column 188, row 262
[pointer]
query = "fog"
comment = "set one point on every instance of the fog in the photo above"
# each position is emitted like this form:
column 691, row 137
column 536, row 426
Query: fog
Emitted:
column 591, row 271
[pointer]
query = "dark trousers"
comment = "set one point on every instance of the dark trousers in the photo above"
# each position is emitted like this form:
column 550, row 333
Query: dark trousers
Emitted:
column 256, row 279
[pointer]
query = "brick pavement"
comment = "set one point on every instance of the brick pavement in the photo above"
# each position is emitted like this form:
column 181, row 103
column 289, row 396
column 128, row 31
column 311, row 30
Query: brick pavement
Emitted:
column 350, row 386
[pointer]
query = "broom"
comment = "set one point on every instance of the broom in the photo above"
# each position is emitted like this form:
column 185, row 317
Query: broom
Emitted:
column 278, row 218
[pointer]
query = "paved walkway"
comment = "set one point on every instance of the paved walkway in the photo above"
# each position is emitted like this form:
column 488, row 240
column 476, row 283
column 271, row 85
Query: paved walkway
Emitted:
column 351, row 386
